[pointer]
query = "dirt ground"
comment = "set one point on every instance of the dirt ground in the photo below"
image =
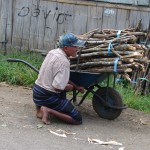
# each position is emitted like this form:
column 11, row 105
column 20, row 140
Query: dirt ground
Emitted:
column 20, row 129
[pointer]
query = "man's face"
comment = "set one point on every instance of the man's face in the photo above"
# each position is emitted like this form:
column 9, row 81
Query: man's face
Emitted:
column 71, row 50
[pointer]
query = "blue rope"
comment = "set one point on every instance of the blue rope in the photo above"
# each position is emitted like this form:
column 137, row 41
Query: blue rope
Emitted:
column 143, row 79
column 115, row 64
column 109, row 47
column 135, row 82
column 119, row 80
column 118, row 34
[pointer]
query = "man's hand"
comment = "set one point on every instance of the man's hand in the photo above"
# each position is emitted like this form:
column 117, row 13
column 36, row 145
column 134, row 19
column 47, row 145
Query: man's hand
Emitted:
column 80, row 89
column 69, row 87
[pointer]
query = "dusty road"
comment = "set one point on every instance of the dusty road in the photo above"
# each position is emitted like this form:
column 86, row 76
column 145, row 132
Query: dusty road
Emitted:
column 21, row 130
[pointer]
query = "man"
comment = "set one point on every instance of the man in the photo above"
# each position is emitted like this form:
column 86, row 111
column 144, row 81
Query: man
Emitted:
column 53, row 79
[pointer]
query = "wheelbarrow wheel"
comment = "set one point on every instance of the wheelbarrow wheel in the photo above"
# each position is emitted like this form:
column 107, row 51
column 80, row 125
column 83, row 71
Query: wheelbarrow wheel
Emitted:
column 113, row 99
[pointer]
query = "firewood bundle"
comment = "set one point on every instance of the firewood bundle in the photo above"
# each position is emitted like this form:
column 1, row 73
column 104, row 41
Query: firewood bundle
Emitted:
column 111, row 51
column 143, row 78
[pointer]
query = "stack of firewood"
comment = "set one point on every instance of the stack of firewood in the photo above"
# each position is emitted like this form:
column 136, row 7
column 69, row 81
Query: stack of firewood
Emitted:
column 111, row 50
column 107, row 49
column 143, row 78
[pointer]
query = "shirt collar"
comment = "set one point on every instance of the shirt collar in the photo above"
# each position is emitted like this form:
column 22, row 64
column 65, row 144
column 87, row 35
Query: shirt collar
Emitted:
column 62, row 51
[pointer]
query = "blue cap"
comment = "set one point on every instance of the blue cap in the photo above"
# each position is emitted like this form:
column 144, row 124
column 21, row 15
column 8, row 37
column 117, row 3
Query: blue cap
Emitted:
column 69, row 39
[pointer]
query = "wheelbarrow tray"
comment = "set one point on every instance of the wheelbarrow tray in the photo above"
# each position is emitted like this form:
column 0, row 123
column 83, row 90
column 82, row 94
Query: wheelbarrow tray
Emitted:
column 86, row 79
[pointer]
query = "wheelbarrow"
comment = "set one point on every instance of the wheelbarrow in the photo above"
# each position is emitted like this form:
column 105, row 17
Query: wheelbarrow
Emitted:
column 106, row 101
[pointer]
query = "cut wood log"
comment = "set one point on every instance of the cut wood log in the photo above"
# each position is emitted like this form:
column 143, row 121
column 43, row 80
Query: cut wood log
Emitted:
column 125, row 54
column 95, row 64
column 125, row 47
column 108, row 70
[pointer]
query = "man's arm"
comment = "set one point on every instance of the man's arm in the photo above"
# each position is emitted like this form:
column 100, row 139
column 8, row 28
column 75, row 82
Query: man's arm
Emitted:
column 70, row 86
column 78, row 88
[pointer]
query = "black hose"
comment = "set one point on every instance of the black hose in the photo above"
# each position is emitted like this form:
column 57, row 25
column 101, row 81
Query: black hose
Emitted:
column 24, row 62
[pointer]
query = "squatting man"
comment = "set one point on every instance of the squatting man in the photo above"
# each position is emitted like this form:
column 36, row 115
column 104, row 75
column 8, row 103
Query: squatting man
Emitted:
column 53, row 79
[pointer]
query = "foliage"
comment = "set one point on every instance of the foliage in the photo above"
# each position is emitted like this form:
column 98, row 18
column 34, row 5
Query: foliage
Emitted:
column 19, row 73
column 133, row 100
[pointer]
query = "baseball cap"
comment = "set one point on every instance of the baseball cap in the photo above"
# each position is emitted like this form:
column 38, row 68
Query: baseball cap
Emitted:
column 69, row 39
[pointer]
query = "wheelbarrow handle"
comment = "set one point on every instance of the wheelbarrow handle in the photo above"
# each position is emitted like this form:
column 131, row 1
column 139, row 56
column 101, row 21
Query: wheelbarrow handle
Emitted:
column 19, row 60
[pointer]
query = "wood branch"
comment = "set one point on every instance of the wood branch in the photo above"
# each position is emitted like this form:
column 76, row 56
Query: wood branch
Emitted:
column 90, row 33
column 125, row 47
column 95, row 64
column 103, row 36
column 92, row 55
column 108, row 36
column 108, row 70
column 138, row 46
column 136, row 33
column 144, row 60
column 135, row 55
column 126, row 60
column 123, row 39
column 138, row 26
column 104, row 53
column 116, row 53
column 131, row 65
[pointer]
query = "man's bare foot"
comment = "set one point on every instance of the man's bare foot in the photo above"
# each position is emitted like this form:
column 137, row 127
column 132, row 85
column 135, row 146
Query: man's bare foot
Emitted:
column 45, row 115
column 39, row 114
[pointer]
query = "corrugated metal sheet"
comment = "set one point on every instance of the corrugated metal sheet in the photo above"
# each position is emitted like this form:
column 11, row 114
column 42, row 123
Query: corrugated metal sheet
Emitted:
column 129, row 2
